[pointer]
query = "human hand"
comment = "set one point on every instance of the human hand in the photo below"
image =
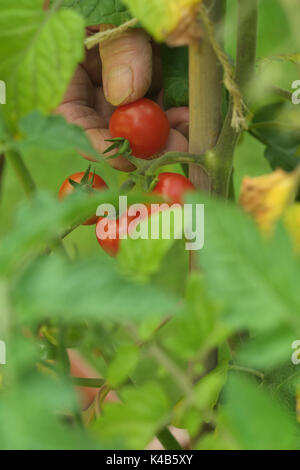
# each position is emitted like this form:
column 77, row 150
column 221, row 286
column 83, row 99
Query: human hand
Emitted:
column 125, row 70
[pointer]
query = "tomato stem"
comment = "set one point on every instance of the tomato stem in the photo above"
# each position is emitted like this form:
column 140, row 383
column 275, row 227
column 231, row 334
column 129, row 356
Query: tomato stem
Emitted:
column 21, row 171
column 167, row 439
column 2, row 165
column 92, row 383
column 245, row 67
column 171, row 158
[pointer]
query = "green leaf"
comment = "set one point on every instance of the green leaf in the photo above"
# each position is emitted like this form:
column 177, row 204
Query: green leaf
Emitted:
column 142, row 258
column 100, row 11
column 269, row 350
column 282, row 382
column 142, row 413
column 161, row 18
column 256, row 421
column 197, row 329
column 287, row 159
column 52, row 133
column 39, row 53
column 89, row 289
column 40, row 222
column 254, row 279
column 23, row 418
column 208, row 389
column 174, row 269
column 5, row 136
column 215, row 442
column 175, row 76
column 123, row 365
column 206, row 393
column 277, row 126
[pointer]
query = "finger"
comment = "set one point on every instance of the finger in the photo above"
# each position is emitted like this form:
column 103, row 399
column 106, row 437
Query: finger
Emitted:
column 78, row 108
column 126, row 66
column 80, row 368
column 176, row 142
column 97, row 137
column 179, row 119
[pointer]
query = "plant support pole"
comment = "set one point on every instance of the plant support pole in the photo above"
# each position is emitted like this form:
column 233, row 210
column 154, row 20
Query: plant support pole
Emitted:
column 21, row 171
column 205, row 85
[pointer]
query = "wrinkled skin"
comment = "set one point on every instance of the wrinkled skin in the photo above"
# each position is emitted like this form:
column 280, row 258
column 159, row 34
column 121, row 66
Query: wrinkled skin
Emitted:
column 128, row 69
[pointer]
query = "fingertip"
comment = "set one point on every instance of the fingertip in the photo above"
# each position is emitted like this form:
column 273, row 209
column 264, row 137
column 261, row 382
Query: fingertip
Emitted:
column 176, row 142
column 126, row 67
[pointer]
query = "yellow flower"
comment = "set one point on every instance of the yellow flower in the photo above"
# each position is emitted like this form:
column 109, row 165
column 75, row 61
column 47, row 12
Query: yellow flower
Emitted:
column 266, row 197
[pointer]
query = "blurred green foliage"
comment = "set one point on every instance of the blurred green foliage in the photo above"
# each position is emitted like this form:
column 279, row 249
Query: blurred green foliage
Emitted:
column 145, row 324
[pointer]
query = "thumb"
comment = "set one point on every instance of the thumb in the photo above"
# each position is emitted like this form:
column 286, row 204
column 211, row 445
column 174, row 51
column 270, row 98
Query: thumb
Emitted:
column 126, row 66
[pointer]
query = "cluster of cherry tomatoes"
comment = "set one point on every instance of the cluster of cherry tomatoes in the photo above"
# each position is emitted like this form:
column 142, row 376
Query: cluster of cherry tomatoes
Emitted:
column 145, row 125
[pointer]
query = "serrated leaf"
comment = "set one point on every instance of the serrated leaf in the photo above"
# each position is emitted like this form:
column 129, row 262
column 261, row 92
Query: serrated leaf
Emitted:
column 197, row 329
column 255, row 280
column 287, row 159
column 90, row 289
column 142, row 413
column 205, row 396
column 123, row 365
column 256, row 421
column 42, row 220
column 141, row 258
column 100, row 11
column 283, row 382
column 39, row 52
column 277, row 126
column 52, row 133
column 268, row 350
column 24, row 429
column 162, row 18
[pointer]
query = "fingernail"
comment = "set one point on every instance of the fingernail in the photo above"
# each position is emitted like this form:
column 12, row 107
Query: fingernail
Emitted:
column 119, row 85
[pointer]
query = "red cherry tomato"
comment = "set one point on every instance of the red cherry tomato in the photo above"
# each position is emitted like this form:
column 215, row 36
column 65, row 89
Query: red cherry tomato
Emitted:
column 66, row 189
column 144, row 124
column 173, row 186
column 110, row 244
column 113, row 230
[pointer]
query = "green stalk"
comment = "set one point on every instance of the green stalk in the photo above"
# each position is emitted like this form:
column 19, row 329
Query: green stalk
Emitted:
column 167, row 439
column 21, row 171
column 246, row 42
column 91, row 383
column 245, row 68
column 2, row 164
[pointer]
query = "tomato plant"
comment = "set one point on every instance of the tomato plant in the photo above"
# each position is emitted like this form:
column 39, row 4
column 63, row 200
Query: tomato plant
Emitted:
column 187, row 331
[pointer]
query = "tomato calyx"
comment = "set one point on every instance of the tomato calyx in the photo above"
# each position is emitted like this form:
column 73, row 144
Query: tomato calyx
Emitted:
column 122, row 145
column 86, row 183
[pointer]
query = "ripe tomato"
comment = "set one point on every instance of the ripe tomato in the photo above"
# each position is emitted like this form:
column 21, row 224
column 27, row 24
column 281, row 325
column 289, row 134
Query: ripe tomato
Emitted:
column 110, row 244
column 144, row 124
column 173, row 186
column 66, row 188
column 113, row 229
